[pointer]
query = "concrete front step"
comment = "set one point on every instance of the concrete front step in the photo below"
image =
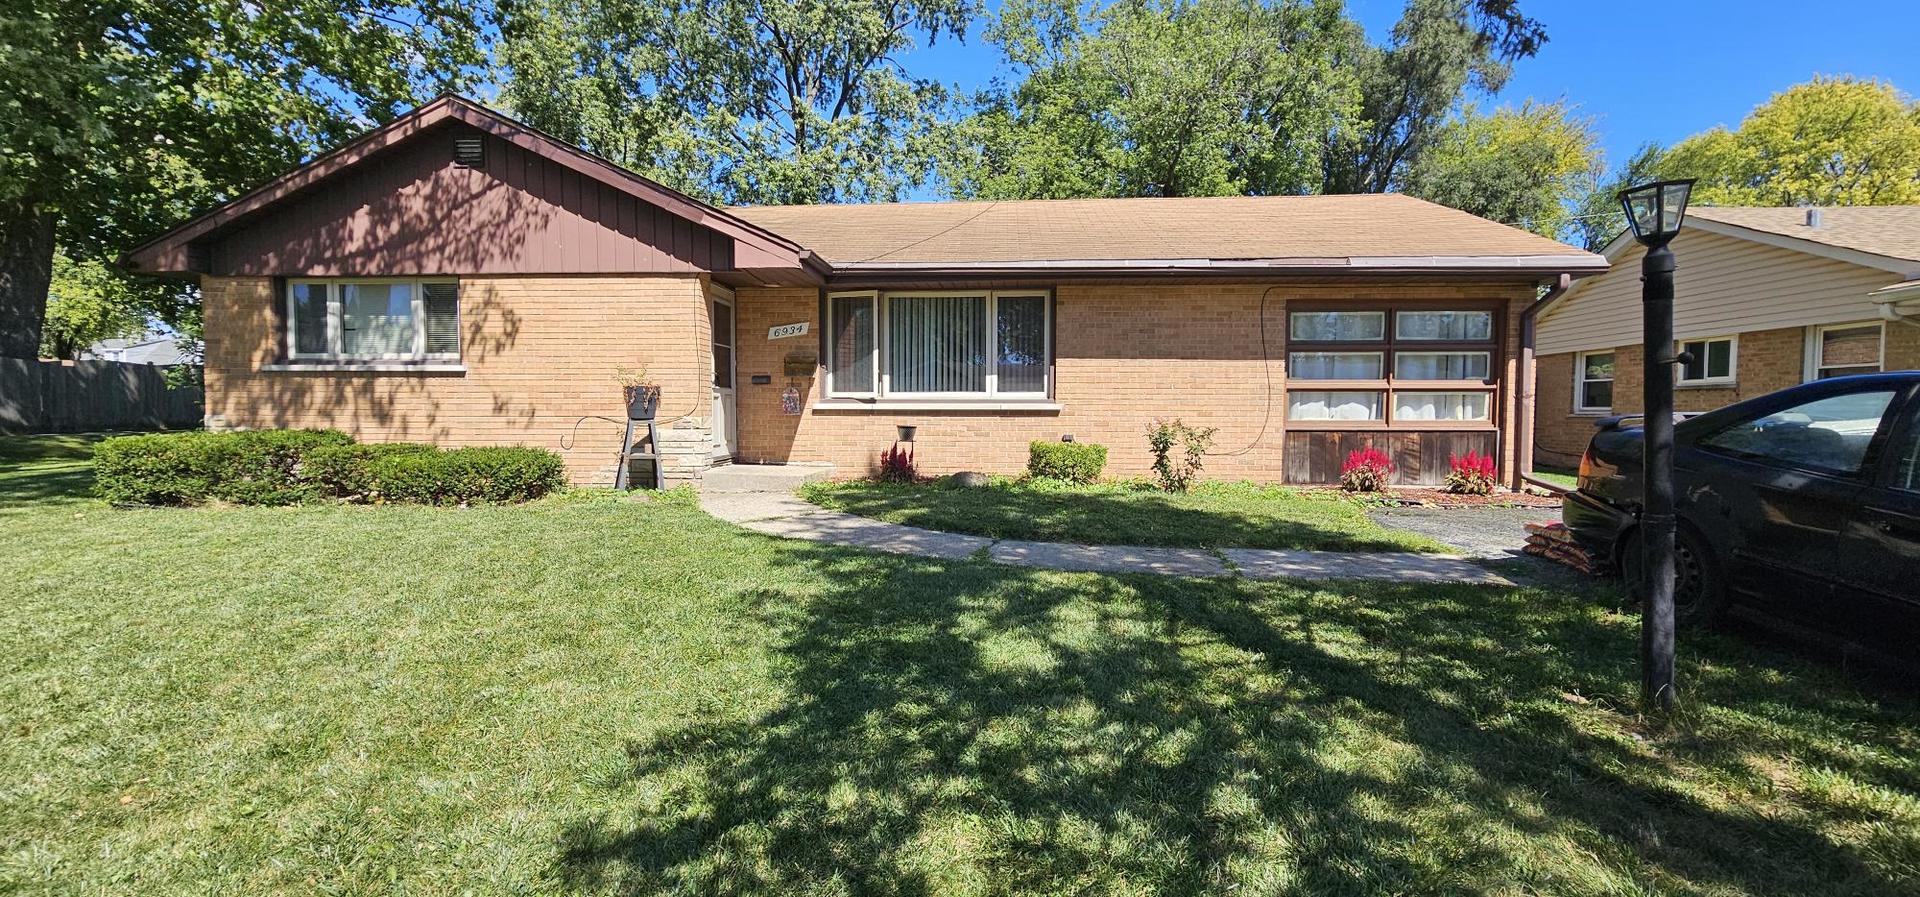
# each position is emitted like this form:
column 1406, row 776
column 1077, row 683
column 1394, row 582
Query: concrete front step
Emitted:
column 763, row 477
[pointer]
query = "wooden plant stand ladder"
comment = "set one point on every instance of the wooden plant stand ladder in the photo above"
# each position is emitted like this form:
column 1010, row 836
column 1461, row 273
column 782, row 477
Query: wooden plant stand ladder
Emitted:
column 630, row 453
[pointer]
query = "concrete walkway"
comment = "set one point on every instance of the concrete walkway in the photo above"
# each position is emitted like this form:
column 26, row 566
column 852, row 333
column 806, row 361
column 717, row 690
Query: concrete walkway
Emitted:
column 781, row 514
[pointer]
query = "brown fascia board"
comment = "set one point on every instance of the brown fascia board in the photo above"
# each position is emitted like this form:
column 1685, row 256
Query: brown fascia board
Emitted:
column 1452, row 267
column 168, row 253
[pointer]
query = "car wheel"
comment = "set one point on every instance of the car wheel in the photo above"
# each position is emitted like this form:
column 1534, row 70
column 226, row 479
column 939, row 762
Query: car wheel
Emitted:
column 1699, row 594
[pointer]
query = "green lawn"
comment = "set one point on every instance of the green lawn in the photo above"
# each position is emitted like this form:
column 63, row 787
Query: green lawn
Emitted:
column 617, row 695
column 1213, row 515
column 1559, row 476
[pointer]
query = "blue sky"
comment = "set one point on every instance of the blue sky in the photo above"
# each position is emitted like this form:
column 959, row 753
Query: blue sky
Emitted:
column 1705, row 62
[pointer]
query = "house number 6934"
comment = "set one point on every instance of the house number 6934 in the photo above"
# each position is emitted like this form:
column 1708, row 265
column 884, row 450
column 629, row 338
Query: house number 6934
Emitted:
column 786, row 330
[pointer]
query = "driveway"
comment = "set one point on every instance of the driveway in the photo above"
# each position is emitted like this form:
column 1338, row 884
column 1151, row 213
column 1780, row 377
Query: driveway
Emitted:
column 1487, row 533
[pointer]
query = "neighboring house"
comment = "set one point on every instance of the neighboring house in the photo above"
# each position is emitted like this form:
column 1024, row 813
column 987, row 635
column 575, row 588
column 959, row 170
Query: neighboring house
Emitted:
column 457, row 277
column 1764, row 298
column 163, row 351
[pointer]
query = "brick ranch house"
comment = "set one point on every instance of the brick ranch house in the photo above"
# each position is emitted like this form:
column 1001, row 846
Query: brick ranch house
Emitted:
column 459, row 278
column 1764, row 298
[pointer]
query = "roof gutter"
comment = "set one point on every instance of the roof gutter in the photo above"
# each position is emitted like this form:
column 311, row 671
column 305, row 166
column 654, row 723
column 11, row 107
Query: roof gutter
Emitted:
column 1899, row 303
column 1314, row 264
column 1523, row 424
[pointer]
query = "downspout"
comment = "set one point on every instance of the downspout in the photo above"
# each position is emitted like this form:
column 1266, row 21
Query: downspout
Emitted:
column 1523, row 423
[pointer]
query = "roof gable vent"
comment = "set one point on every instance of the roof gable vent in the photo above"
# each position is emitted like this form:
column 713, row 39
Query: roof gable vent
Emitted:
column 470, row 152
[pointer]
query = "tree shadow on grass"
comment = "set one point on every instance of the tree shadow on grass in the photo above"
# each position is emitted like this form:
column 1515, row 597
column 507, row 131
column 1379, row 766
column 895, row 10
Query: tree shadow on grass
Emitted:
column 1215, row 516
column 962, row 726
column 36, row 470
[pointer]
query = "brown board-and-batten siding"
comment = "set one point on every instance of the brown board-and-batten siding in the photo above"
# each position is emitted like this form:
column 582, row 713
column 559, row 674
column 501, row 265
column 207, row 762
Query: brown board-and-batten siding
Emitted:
column 419, row 212
column 1419, row 458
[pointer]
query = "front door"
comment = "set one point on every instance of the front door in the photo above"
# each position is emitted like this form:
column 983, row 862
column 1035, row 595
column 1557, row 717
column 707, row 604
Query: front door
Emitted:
column 725, row 432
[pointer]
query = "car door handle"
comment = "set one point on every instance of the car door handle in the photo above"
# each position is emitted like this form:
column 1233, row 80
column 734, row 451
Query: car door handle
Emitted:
column 1890, row 524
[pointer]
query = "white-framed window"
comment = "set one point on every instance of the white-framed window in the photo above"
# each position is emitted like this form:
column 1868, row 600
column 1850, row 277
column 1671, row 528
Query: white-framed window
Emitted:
column 1593, row 381
column 934, row 344
column 1713, row 361
column 1836, row 350
column 373, row 319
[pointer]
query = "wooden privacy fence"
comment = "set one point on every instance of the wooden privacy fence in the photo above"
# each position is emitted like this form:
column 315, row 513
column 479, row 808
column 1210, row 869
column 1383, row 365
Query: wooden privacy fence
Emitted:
column 78, row 396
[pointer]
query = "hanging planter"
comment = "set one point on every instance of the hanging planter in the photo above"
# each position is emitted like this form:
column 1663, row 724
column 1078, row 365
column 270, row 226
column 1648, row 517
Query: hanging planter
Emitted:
column 642, row 394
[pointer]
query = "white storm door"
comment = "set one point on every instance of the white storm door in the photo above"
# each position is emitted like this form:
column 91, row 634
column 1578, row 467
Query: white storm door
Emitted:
column 725, row 429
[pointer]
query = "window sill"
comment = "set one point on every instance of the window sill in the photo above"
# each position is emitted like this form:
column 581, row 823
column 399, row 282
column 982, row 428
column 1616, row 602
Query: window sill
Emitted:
column 1706, row 384
column 1039, row 405
column 1593, row 412
column 368, row 367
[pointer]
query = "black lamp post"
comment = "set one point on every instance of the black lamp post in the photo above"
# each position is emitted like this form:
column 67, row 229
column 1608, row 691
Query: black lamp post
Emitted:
column 1654, row 211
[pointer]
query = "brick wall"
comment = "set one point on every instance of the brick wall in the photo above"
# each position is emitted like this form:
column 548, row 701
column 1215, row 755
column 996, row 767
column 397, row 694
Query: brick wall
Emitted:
column 1769, row 360
column 1125, row 354
column 539, row 353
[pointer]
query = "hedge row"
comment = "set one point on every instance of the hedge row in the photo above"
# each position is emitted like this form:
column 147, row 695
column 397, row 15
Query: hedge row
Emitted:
column 285, row 467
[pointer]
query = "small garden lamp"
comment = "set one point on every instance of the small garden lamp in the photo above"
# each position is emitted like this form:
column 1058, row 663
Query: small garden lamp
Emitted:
column 1655, row 212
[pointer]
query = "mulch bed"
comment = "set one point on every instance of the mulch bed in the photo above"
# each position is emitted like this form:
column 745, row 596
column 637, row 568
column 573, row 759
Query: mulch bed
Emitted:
column 1424, row 497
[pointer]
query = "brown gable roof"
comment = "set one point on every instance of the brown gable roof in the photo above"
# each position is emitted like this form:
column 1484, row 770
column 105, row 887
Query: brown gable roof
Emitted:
column 1374, row 231
column 1382, row 232
column 1890, row 231
column 172, row 252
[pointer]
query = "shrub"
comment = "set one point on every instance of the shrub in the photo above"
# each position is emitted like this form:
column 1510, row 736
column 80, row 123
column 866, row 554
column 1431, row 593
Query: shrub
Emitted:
column 1366, row 470
column 896, row 465
column 280, row 467
column 260, row 467
column 1074, row 462
column 463, row 476
column 1175, row 472
column 346, row 471
column 1473, row 475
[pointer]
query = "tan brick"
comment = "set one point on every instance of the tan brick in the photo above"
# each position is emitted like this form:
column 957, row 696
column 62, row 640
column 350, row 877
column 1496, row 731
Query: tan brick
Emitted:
column 539, row 351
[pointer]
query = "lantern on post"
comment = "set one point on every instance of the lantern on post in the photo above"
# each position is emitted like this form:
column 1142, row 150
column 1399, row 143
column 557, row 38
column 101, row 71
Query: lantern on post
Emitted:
column 1655, row 212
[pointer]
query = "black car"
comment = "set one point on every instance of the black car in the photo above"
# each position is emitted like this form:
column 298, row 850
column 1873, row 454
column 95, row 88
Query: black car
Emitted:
column 1802, row 505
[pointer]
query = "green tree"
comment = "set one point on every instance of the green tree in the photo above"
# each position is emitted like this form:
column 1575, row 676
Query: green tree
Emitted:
column 1184, row 97
column 740, row 101
column 88, row 302
column 1830, row 141
column 1523, row 167
column 1154, row 98
column 120, row 117
column 1597, row 214
column 1411, row 86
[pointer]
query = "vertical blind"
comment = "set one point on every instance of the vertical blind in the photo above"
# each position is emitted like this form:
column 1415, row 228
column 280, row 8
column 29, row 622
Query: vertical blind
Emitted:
column 851, row 364
column 985, row 344
column 1022, row 327
column 937, row 343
